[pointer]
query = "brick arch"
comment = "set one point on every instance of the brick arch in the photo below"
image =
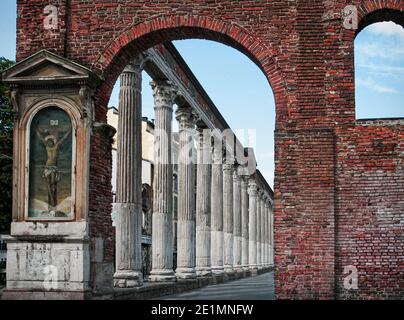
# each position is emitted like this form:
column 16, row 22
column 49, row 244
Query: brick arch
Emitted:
column 390, row 12
column 142, row 36
column 368, row 7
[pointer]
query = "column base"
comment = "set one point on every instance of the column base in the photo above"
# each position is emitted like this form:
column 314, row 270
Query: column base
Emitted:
column 128, row 279
column 162, row 276
column 185, row 273
column 203, row 272
column 254, row 270
column 238, row 269
column 228, row 269
column 217, row 270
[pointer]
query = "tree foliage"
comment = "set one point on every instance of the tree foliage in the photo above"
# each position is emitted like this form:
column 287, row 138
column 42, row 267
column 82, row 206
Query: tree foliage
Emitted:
column 6, row 151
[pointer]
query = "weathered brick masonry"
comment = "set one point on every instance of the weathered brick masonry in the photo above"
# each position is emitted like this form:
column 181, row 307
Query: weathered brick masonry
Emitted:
column 339, row 191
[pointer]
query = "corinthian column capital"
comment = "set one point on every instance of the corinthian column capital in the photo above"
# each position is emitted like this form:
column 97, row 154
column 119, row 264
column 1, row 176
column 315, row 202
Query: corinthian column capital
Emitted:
column 252, row 188
column 164, row 93
column 185, row 117
column 228, row 167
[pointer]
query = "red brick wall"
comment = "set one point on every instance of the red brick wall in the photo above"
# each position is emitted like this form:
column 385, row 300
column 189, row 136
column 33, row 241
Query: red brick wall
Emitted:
column 370, row 208
column 339, row 185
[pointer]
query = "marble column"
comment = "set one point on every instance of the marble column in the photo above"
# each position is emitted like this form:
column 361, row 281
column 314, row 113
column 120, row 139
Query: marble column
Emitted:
column 237, row 239
column 272, row 238
column 266, row 238
column 244, row 223
column 217, row 209
column 186, row 248
column 259, row 235
column 252, row 230
column 228, row 170
column 162, row 258
column 129, row 180
column 203, row 205
column 263, row 197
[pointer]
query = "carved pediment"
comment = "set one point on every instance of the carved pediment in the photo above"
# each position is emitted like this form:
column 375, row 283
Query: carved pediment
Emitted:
column 47, row 67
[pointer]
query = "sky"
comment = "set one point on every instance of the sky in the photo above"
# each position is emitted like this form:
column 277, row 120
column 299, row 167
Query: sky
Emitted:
column 242, row 93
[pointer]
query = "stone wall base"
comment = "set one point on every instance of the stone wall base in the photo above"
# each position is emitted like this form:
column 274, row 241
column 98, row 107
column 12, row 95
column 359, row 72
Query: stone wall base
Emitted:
column 149, row 291
column 21, row 294
column 157, row 290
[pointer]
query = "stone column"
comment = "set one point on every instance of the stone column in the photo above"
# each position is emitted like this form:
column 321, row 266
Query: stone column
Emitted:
column 217, row 209
column 228, row 170
column 244, row 223
column 266, row 238
column 129, row 180
column 162, row 265
column 203, row 205
column 186, row 255
column 252, row 230
column 272, row 239
column 259, row 235
column 263, row 199
column 237, row 221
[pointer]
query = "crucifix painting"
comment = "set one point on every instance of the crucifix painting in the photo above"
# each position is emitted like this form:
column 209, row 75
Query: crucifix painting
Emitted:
column 50, row 165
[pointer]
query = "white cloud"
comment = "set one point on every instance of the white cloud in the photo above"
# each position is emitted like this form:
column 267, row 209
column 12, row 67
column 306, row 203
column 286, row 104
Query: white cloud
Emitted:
column 371, row 84
column 387, row 28
column 377, row 50
column 383, row 70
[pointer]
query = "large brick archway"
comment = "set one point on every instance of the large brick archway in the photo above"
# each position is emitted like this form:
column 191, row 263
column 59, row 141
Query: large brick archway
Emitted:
column 139, row 37
column 338, row 191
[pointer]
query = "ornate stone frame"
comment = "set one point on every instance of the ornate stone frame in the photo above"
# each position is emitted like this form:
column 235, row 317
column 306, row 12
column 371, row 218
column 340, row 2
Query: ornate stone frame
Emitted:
column 41, row 81
column 73, row 112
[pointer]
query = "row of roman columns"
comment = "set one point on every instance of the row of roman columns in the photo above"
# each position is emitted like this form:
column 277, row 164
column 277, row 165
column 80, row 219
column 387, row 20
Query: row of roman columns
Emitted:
column 225, row 219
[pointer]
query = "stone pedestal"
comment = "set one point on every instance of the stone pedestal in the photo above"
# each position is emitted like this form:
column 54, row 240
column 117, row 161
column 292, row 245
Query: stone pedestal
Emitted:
column 217, row 209
column 129, row 180
column 186, row 195
column 48, row 261
column 203, row 205
column 162, row 257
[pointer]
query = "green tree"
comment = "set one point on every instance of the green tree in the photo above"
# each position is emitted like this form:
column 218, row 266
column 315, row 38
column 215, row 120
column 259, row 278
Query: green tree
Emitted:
column 6, row 151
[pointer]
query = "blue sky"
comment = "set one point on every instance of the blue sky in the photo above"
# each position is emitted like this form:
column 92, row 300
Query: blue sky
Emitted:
column 379, row 66
column 242, row 94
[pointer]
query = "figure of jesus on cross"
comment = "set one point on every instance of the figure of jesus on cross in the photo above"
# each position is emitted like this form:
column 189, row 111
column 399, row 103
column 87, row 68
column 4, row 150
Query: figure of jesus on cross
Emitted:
column 51, row 172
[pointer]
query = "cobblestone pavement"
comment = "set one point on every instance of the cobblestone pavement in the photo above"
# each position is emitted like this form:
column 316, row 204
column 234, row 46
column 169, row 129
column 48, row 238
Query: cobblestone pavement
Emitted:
column 252, row 288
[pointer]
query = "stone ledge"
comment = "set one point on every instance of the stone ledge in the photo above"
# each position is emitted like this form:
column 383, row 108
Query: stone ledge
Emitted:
column 17, row 294
column 157, row 290
column 148, row 291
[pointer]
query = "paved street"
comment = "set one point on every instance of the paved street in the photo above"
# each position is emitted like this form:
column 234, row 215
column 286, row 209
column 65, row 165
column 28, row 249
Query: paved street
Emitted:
column 253, row 288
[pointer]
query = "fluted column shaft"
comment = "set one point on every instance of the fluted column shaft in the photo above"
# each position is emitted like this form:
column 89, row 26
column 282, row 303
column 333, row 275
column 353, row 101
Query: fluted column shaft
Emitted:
column 129, row 180
column 217, row 209
column 272, row 228
column 262, row 230
column 259, row 234
column 203, row 205
column 266, row 238
column 244, row 222
column 252, row 231
column 228, row 169
column 186, row 249
column 162, row 265
column 237, row 221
